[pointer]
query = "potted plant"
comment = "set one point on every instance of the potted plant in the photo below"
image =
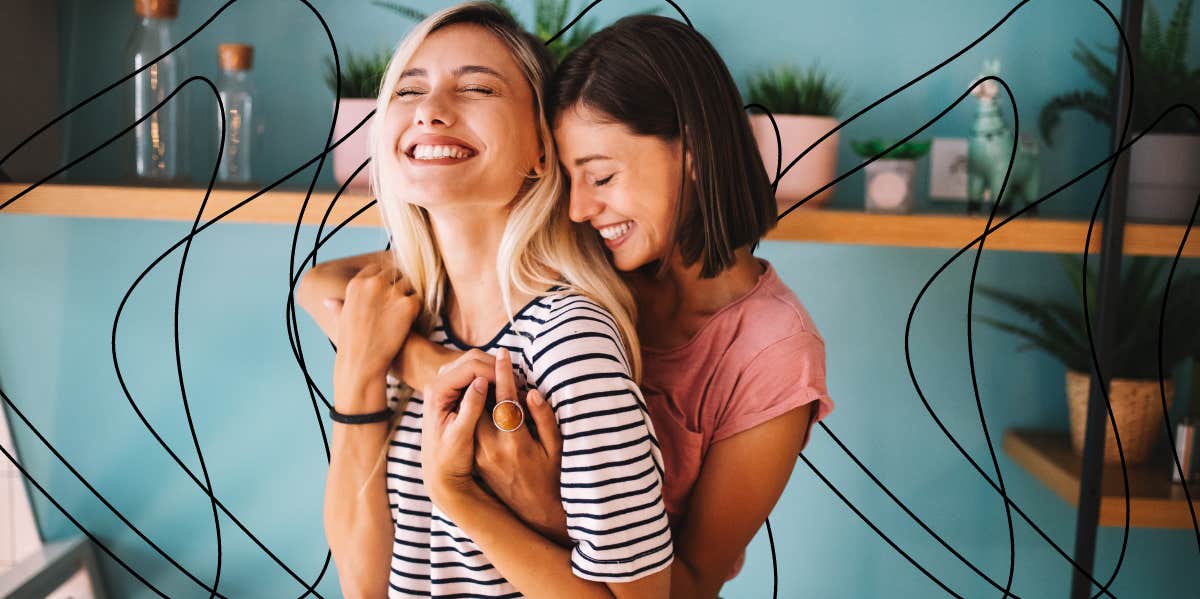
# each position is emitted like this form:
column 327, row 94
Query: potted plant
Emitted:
column 360, row 77
column 549, row 18
column 890, row 179
column 1132, row 362
column 805, row 104
column 1163, row 179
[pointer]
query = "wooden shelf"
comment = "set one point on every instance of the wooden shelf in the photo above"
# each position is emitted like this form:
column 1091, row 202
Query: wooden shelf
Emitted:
column 1154, row 501
column 814, row 225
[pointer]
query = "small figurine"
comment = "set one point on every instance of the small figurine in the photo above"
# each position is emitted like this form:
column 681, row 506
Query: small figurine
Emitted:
column 988, row 150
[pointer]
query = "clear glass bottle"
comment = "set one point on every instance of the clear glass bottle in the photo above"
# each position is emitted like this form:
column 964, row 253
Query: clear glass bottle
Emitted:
column 237, row 94
column 158, row 142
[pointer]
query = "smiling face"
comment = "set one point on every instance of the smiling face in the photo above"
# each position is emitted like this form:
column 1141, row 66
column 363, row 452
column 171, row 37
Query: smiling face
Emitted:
column 460, row 125
column 625, row 185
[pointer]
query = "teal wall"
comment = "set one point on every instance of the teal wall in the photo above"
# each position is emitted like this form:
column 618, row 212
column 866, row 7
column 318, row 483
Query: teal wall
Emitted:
column 65, row 277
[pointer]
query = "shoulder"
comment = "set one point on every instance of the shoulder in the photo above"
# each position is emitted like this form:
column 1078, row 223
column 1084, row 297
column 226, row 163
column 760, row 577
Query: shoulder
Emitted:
column 772, row 320
column 565, row 323
column 564, row 312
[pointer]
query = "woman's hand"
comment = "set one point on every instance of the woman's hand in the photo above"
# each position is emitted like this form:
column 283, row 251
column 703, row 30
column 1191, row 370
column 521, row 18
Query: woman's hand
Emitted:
column 452, row 407
column 520, row 469
column 372, row 325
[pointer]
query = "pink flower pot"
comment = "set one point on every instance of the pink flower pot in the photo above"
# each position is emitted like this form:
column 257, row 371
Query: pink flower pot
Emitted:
column 817, row 168
column 354, row 150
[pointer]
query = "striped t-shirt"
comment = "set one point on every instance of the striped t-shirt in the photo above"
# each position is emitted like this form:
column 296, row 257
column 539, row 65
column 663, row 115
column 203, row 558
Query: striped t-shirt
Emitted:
column 567, row 346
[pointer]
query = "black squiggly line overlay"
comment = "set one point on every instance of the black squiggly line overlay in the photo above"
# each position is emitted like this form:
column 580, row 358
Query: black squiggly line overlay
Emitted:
column 988, row 229
column 1087, row 319
column 208, row 487
column 774, row 564
column 1162, row 392
column 1012, row 542
column 368, row 205
column 188, row 238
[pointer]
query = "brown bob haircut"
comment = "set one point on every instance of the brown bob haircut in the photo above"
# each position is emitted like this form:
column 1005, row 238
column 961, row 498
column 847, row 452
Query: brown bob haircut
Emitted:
column 658, row 76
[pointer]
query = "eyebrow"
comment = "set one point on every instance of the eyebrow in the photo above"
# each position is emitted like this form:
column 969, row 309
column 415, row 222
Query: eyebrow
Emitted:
column 460, row 71
column 590, row 157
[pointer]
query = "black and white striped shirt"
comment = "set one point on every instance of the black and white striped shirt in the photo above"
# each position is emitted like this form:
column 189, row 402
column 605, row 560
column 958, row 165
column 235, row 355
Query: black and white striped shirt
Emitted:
column 567, row 346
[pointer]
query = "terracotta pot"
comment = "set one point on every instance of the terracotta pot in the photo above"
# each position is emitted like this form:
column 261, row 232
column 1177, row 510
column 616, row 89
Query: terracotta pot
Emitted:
column 817, row 168
column 353, row 151
column 1136, row 406
column 1163, row 179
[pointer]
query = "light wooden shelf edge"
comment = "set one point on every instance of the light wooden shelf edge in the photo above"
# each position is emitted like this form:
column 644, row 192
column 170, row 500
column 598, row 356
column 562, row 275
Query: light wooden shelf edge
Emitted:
column 1154, row 501
column 808, row 225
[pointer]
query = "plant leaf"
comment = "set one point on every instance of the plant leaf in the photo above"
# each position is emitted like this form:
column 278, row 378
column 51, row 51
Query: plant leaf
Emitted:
column 402, row 10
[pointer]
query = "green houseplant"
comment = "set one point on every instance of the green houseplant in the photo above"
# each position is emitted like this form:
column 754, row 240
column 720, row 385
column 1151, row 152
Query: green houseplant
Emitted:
column 1163, row 184
column 805, row 103
column 890, row 180
column 549, row 18
column 1058, row 329
column 786, row 89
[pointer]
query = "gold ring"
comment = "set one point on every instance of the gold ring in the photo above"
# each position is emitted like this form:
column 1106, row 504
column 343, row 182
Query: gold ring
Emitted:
column 508, row 415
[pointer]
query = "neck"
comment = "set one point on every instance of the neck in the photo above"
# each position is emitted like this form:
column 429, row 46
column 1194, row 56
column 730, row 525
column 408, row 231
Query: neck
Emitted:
column 674, row 307
column 468, row 239
column 699, row 295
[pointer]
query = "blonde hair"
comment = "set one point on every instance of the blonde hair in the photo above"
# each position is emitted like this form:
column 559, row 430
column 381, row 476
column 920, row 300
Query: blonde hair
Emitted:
column 540, row 246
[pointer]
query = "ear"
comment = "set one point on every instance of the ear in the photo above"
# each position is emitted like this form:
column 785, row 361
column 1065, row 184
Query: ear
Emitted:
column 689, row 165
column 540, row 167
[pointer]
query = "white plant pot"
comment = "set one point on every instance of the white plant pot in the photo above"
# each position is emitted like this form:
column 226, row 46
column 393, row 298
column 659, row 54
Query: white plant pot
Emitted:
column 817, row 168
column 890, row 185
column 1164, row 178
column 354, row 150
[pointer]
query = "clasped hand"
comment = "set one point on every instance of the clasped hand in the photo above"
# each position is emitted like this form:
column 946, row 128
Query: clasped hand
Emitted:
column 520, row 468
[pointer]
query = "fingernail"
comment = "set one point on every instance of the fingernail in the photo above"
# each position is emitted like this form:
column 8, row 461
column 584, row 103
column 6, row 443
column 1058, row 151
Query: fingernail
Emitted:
column 534, row 397
column 479, row 384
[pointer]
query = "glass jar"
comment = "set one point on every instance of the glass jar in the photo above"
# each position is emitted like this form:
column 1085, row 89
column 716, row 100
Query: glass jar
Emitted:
column 158, row 144
column 237, row 95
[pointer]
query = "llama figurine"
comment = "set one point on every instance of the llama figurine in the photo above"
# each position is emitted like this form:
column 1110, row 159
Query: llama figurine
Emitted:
column 988, row 150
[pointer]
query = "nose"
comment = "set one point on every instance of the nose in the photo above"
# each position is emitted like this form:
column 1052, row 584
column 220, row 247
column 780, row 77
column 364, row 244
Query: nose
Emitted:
column 583, row 204
column 433, row 109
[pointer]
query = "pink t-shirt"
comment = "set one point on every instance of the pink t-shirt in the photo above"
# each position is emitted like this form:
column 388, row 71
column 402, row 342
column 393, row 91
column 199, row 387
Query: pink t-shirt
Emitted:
column 757, row 358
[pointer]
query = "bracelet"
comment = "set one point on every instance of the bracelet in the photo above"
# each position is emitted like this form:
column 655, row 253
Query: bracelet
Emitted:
column 380, row 416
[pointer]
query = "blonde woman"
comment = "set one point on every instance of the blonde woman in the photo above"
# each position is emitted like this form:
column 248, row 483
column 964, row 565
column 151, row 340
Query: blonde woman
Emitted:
column 484, row 256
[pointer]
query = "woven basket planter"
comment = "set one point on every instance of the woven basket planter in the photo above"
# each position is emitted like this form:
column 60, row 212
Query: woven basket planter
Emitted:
column 1136, row 407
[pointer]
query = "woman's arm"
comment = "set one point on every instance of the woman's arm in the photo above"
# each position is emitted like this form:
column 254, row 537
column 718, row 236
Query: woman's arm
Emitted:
column 736, row 471
column 328, row 280
column 358, row 524
column 419, row 359
column 748, row 470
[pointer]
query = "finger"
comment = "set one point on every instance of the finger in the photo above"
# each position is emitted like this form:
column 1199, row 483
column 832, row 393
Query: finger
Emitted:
column 469, row 410
column 547, row 426
column 450, row 384
column 369, row 270
column 334, row 305
column 488, row 438
column 473, row 354
column 431, row 419
column 506, row 386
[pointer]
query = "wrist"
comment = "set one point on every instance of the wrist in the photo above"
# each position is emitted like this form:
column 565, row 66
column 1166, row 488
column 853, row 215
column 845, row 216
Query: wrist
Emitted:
column 356, row 393
column 457, row 496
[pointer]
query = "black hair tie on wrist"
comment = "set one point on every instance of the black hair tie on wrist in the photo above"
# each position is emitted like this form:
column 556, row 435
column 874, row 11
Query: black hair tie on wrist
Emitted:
column 380, row 416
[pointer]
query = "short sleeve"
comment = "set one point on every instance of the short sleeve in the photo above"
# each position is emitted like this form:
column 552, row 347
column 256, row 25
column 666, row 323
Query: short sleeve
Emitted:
column 612, row 468
column 785, row 375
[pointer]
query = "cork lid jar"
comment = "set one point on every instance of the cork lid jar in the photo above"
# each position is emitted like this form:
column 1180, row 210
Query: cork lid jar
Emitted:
column 156, row 9
column 235, row 57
